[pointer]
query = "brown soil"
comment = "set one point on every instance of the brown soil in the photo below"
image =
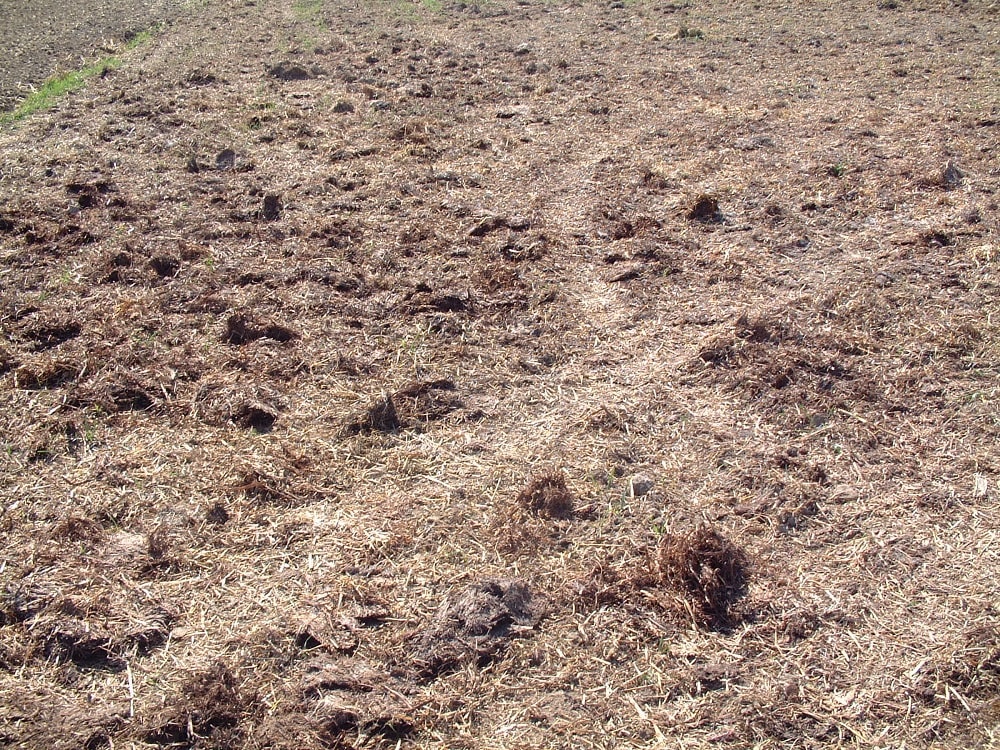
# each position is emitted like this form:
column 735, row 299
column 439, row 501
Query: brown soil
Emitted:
column 509, row 374
column 42, row 38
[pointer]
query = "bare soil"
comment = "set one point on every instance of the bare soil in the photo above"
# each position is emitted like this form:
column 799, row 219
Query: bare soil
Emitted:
column 510, row 374
column 42, row 38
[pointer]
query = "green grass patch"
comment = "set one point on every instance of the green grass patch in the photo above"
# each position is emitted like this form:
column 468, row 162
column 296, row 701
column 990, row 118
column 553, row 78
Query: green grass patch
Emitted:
column 307, row 8
column 412, row 10
column 312, row 12
column 58, row 85
column 690, row 32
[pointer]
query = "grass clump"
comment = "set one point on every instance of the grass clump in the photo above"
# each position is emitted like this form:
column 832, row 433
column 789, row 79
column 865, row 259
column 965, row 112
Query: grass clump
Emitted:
column 690, row 32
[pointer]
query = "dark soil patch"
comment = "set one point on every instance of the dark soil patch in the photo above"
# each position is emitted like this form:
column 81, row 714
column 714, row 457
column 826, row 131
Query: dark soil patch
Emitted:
column 348, row 696
column 473, row 626
column 208, row 713
column 706, row 209
column 710, row 569
column 50, row 334
column 46, row 374
column 242, row 330
column 257, row 417
column 411, row 407
column 547, row 495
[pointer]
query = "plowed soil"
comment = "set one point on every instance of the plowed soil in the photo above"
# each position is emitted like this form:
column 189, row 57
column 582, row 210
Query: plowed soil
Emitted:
column 508, row 375
column 41, row 38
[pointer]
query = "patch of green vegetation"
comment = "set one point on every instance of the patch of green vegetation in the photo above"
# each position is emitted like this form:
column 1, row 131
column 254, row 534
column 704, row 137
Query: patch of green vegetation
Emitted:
column 307, row 8
column 413, row 9
column 310, row 11
column 58, row 85
column 690, row 32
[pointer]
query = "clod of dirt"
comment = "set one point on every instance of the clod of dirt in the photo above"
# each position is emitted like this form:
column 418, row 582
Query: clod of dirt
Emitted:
column 256, row 485
column 118, row 392
column 159, row 558
column 705, row 678
column 422, row 90
column 706, row 210
column 200, row 77
column 286, row 71
column 271, row 210
column 972, row 670
column 547, row 495
column 474, row 626
column 936, row 238
column 240, row 330
column 322, row 631
column 349, row 695
column 113, row 268
column 293, row 730
column 759, row 329
column 21, row 602
column 408, row 408
column 89, row 195
column 251, row 405
column 128, row 398
column 78, row 529
column 425, row 401
column 492, row 223
column 629, row 274
column 47, row 335
column 83, row 645
column 733, row 350
column 709, row 569
column 442, row 301
column 640, row 485
column 951, row 176
column 225, row 159
column 43, row 374
column 379, row 417
column 217, row 514
column 207, row 713
column 324, row 674
column 7, row 362
column 449, row 302
column 281, row 489
column 165, row 265
column 717, row 352
column 153, row 632
column 91, row 644
column 256, row 417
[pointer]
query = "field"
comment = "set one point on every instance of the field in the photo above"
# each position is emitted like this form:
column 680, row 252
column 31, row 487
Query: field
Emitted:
column 508, row 374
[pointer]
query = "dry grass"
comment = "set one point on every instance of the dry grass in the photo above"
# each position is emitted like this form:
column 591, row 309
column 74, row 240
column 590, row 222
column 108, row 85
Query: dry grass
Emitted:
column 581, row 384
